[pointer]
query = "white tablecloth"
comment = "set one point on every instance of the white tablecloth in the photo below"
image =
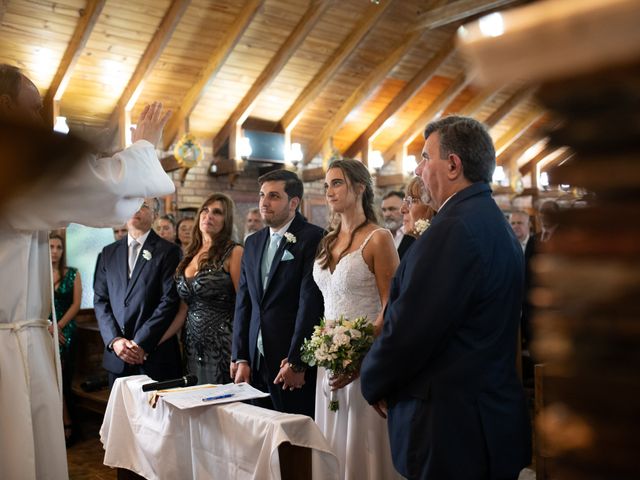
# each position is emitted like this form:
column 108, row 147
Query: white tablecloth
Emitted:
column 232, row 441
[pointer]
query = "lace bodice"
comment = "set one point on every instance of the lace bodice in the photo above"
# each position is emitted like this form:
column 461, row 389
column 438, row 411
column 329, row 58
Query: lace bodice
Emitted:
column 351, row 289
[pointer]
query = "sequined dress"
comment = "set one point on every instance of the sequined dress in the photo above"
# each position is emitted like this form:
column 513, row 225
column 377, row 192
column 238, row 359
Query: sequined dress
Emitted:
column 210, row 297
column 63, row 299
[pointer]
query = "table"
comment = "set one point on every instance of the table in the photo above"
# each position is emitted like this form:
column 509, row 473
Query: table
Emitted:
column 231, row 441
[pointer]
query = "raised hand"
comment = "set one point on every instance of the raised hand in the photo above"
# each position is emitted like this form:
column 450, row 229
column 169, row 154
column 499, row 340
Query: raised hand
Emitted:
column 150, row 124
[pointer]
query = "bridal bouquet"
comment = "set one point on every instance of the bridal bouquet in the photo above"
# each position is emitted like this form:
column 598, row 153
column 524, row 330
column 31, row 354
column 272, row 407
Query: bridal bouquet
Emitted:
column 339, row 346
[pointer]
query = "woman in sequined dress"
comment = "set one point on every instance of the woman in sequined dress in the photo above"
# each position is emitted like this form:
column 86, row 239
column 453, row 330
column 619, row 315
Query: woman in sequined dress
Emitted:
column 207, row 279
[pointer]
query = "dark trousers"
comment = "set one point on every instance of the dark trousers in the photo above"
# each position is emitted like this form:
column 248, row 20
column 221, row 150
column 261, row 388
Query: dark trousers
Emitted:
column 300, row 401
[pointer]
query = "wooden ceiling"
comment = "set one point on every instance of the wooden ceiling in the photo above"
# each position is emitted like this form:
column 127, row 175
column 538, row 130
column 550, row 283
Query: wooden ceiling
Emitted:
column 352, row 75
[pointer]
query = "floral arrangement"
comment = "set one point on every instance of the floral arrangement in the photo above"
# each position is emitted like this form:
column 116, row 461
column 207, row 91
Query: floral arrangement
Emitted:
column 339, row 346
column 420, row 226
column 291, row 238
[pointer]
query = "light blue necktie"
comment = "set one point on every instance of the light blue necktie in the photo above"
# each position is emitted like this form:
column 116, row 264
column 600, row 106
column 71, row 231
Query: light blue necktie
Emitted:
column 268, row 258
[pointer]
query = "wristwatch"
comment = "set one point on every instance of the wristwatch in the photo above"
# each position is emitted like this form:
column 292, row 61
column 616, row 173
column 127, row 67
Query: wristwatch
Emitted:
column 297, row 368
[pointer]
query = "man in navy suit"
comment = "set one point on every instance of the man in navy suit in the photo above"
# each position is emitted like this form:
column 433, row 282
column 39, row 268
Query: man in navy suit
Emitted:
column 278, row 303
column 135, row 300
column 444, row 364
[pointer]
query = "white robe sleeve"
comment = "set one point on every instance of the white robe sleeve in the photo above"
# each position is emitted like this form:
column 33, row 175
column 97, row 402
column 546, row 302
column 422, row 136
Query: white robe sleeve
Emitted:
column 99, row 192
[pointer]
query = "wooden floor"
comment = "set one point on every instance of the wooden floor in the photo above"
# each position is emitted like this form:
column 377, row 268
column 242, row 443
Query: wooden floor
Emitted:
column 86, row 454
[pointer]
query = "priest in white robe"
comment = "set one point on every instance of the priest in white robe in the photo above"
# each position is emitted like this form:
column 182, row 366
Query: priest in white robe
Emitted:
column 97, row 192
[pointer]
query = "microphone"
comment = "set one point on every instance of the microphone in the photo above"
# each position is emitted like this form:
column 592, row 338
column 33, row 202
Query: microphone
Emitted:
column 185, row 381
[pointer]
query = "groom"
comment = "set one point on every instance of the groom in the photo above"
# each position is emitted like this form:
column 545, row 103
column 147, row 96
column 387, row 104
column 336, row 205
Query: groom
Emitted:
column 278, row 303
column 445, row 360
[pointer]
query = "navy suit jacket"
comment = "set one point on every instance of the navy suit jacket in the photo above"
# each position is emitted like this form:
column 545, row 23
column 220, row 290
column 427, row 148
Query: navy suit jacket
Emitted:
column 285, row 313
column 140, row 308
column 445, row 360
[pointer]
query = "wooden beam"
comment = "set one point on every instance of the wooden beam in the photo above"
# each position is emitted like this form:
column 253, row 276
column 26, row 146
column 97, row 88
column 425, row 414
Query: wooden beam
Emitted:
column 313, row 174
column 560, row 157
column 150, row 57
column 516, row 131
column 393, row 179
column 476, row 103
column 459, row 11
column 531, row 163
column 510, row 155
column 272, row 70
column 313, row 89
column 88, row 19
column 419, row 80
column 433, row 111
column 365, row 89
column 208, row 73
column 3, row 8
column 518, row 97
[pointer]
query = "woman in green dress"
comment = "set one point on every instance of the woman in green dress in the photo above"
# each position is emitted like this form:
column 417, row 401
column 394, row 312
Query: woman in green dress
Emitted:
column 67, row 294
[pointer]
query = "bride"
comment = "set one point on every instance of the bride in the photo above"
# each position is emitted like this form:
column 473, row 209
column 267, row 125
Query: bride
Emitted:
column 353, row 269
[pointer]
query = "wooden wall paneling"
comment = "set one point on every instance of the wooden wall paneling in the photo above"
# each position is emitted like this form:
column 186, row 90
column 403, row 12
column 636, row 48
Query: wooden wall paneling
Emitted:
column 81, row 35
column 361, row 93
column 400, row 100
column 431, row 113
column 518, row 97
column 213, row 65
column 372, row 15
column 459, row 11
column 277, row 63
column 147, row 62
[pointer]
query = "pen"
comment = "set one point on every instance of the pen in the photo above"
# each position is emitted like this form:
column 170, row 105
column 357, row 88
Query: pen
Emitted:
column 218, row 397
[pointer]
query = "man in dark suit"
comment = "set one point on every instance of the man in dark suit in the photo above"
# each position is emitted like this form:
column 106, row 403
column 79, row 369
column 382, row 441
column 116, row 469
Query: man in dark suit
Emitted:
column 444, row 364
column 135, row 300
column 278, row 303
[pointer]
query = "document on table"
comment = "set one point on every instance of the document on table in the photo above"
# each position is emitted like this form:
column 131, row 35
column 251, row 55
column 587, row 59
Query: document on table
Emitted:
column 211, row 395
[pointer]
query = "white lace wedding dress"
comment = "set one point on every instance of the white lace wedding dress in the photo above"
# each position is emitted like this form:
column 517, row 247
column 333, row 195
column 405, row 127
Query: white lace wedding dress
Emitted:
column 357, row 434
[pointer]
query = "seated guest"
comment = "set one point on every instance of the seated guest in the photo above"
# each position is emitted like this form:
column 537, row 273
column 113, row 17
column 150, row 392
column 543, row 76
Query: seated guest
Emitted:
column 166, row 228
column 207, row 280
column 413, row 208
column 135, row 300
column 253, row 222
column 184, row 227
column 67, row 295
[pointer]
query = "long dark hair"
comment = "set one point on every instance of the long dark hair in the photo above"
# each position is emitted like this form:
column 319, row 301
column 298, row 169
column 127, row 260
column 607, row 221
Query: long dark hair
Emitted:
column 62, row 264
column 357, row 174
column 221, row 242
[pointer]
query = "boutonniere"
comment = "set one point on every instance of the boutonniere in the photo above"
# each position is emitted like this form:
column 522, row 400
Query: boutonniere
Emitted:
column 146, row 254
column 291, row 238
column 420, row 226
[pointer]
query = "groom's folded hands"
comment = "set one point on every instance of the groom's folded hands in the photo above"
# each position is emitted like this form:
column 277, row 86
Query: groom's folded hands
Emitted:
column 288, row 377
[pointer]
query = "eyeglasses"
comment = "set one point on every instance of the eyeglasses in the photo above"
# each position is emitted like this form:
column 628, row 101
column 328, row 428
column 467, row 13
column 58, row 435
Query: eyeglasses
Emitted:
column 409, row 200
